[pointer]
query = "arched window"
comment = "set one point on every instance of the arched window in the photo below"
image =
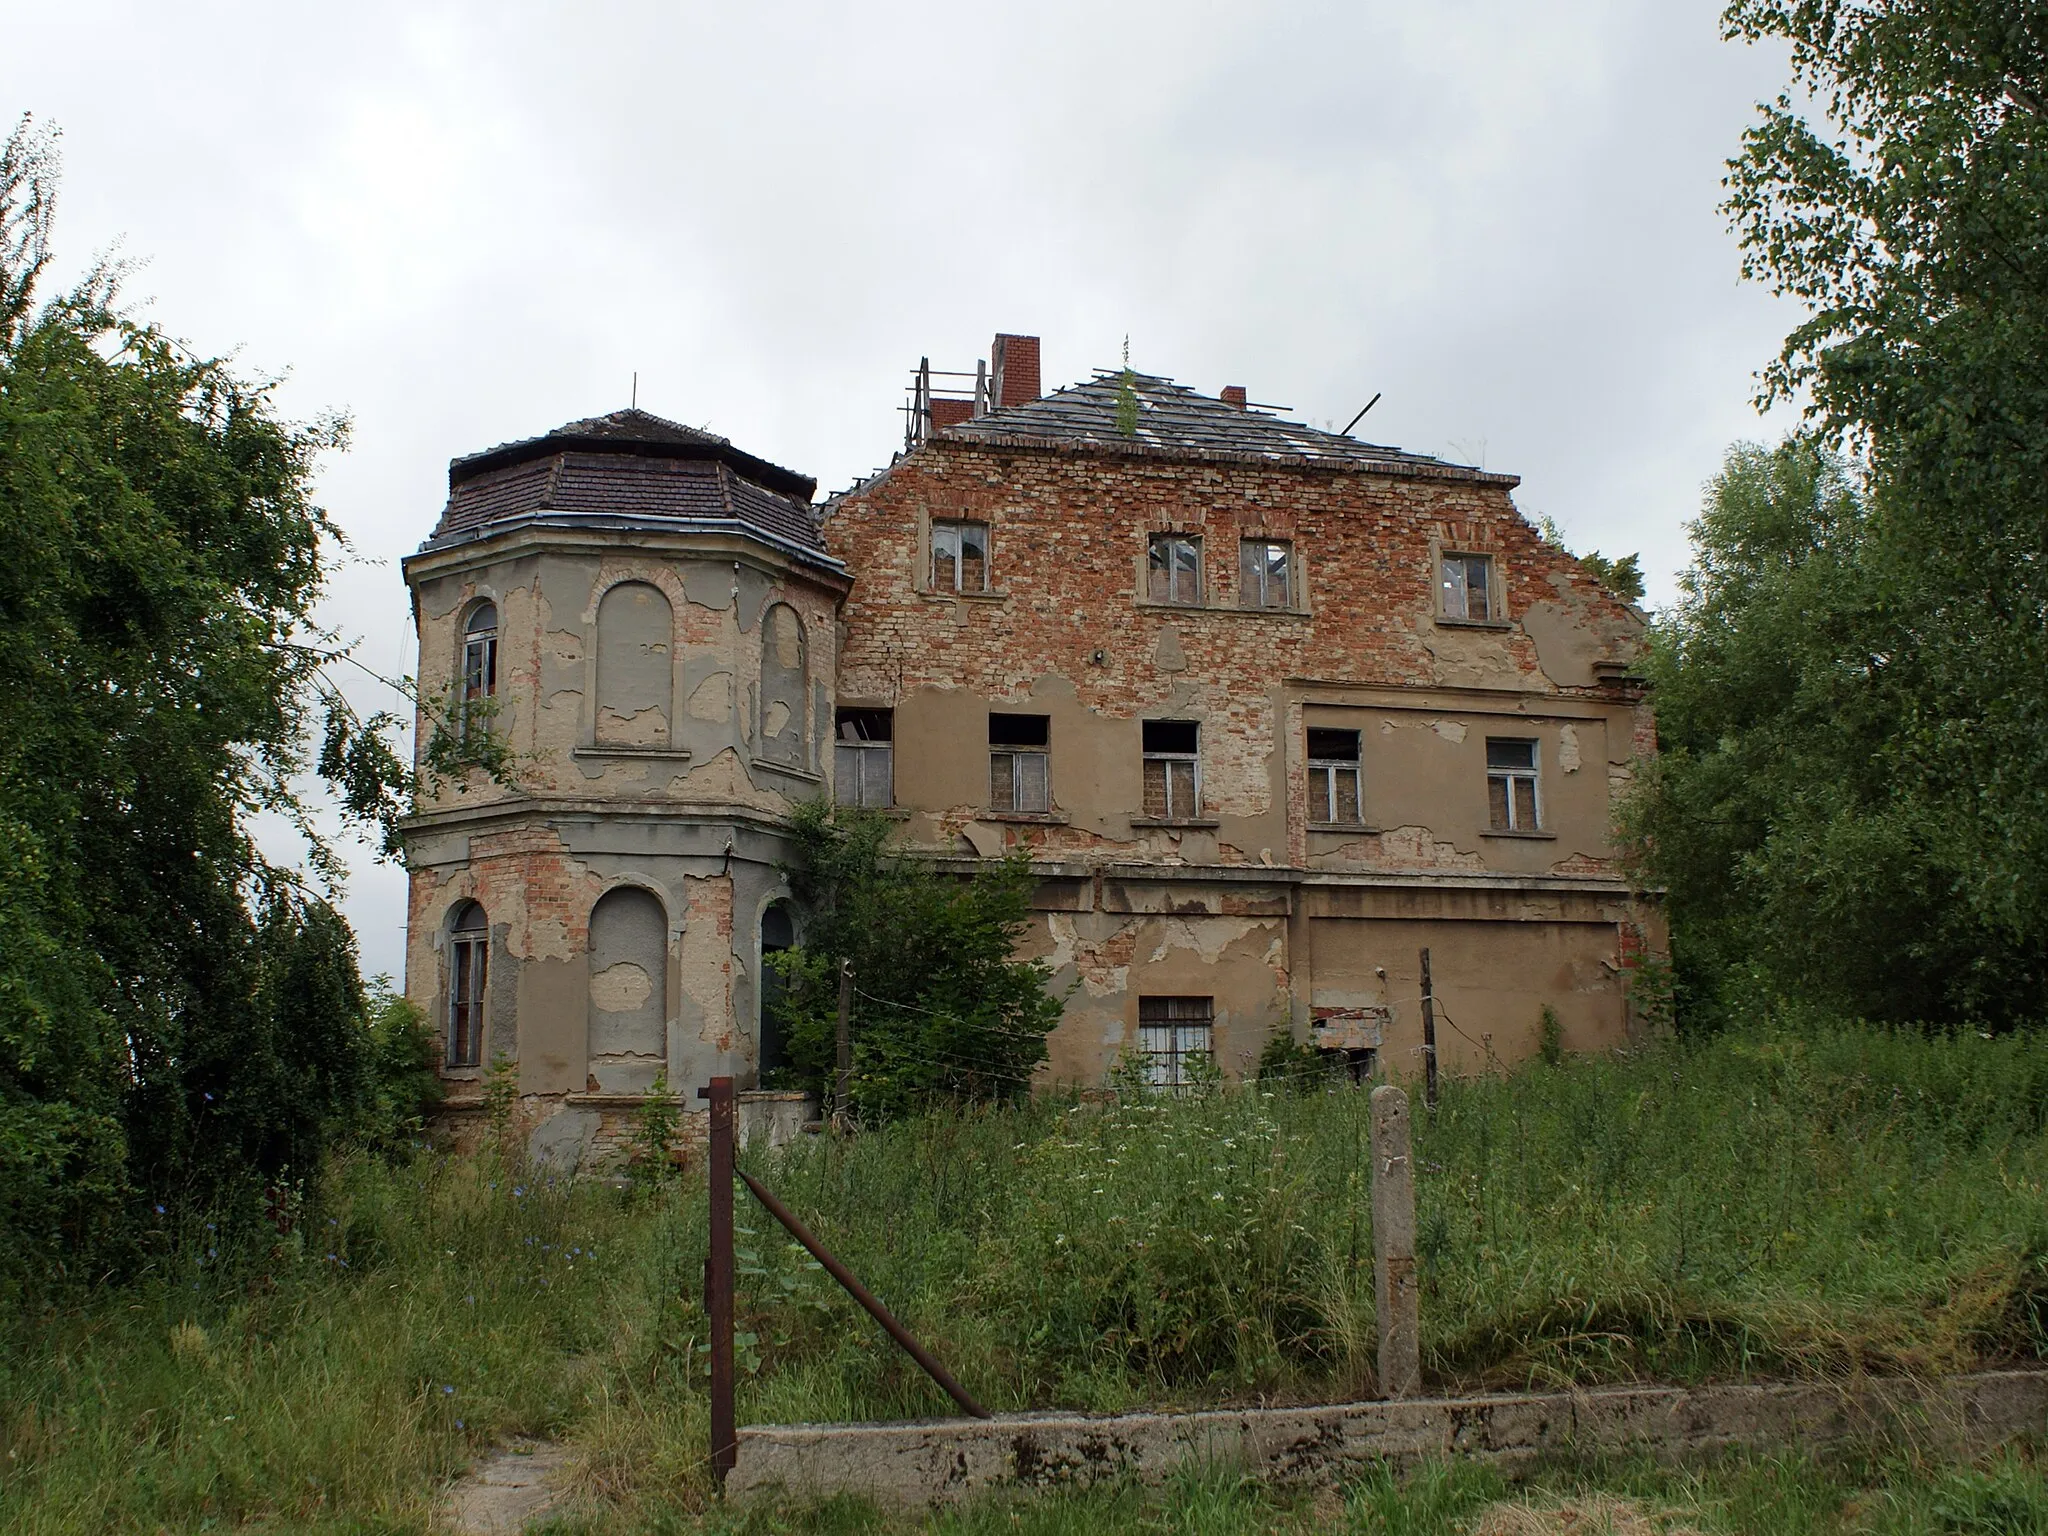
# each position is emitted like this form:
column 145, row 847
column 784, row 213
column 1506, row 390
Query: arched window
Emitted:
column 778, row 933
column 782, row 686
column 469, row 963
column 628, row 990
column 480, row 653
column 635, row 634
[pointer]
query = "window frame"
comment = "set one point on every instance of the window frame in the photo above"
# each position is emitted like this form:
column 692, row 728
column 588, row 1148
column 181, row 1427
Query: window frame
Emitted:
column 955, row 529
column 1262, row 570
column 1168, row 759
column 1174, row 542
column 1176, row 1018
column 1327, row 770
column 1463, row 559
column 1508, row 776
column 1017, row 752
column 469, row 981
column 864, row 753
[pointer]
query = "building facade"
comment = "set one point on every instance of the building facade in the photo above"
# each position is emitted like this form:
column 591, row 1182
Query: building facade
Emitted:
column 1273, row 711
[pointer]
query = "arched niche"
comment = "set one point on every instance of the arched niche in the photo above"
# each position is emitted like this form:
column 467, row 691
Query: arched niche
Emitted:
column 628, row 990
column 778, row 934
column 782, row 686
column 635, row 640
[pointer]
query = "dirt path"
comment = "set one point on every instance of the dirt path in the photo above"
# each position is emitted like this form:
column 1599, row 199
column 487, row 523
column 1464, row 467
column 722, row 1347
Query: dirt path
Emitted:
column 513, row 1486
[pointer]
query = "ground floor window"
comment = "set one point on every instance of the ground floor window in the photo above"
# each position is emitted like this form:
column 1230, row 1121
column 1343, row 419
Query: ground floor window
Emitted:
column 1174, row 1033
column 469, row 944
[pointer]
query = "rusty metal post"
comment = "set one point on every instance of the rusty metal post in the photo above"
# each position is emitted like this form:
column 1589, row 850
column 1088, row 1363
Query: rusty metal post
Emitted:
column 1428, row 1037
column 1393, row 1245
column 866, row 1298
column 718, row 1279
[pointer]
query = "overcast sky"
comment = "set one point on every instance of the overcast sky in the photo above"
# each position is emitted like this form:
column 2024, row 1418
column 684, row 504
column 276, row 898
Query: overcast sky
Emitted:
column 463, row 224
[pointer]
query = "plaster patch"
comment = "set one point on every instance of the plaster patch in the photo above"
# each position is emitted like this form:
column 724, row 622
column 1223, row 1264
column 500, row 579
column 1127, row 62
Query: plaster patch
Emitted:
column 1568, row 748
column 620, row 988
column 1171, row 657
column 775, row 718
column 1450, row 730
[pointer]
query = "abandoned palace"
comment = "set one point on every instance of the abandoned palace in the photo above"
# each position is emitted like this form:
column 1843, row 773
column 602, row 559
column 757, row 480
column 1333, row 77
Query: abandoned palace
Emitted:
column 1272, row 709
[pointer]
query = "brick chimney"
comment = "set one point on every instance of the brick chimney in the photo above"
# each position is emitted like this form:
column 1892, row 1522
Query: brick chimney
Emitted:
column 950, row 413
column 1233, row 394
column 1013, row 360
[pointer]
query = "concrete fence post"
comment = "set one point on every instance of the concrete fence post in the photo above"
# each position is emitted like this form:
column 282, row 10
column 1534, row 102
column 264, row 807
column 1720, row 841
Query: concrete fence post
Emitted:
column 1393, row 1245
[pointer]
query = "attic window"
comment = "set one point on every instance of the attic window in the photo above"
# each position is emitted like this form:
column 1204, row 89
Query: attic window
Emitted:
column 959, row 556
column 1173, row 569
column 1265, row 573
column 1465, row 585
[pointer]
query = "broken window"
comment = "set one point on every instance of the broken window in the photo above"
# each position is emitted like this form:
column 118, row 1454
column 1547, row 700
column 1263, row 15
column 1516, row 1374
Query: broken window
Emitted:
column 1467, row 586
column 863, row 757
column 1173, row 770
column 1511, row 785
column 1176, row 1036
column 1173, row 570
column 469, row 954
column 479, row 660
column 959, row 556
column 1333, row 776
column 1265, row 574
column 1018, row 768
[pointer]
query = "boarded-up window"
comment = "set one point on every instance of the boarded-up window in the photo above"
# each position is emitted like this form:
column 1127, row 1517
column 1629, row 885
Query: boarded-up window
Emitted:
column 635, row 634
column 628, row 990
column 1332, row 775
column 863, row 757
column 1173, row 770
column 469, row 965
column 1176, row 1036
column 782, row 686
column 959, row 556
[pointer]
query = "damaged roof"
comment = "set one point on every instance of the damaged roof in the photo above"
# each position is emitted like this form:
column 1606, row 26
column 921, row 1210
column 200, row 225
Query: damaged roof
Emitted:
column 630, row 469
column 1173, row 421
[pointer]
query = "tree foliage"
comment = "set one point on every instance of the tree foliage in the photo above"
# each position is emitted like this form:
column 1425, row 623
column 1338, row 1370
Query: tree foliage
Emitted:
column 943, row 1011
column 1854, row 808
column 178, row 1019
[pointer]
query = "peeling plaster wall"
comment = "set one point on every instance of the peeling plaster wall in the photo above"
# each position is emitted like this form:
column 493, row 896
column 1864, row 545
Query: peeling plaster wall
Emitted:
column 1064, row 632
column 628, row 960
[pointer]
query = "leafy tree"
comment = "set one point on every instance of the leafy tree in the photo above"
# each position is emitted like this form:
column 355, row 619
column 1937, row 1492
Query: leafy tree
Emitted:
column 1858, row 692
column 178, row 1020
column 1622, row 575
column 943, row 1011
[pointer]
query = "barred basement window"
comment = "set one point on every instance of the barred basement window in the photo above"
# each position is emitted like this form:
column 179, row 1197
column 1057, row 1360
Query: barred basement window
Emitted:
column 1018, row 763
column 1173, row 569
column 1333, row 776
column 1511, row 785
column 1173, row 770
column 959, row 556
column 864, row 757
column 1174, row 1033
column 1466, row 582
column 1265, row 574
column 469, row 954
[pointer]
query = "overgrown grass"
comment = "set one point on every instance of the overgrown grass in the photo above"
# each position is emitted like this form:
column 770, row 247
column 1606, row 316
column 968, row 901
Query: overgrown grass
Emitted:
column 1812, row 1204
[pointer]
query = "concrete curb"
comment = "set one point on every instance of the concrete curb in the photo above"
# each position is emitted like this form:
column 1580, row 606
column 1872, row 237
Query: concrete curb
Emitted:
column 942, row 1461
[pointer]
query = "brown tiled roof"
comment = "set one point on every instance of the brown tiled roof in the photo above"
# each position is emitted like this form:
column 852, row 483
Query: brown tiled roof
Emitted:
column 628, row 469
column 1174, row 421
